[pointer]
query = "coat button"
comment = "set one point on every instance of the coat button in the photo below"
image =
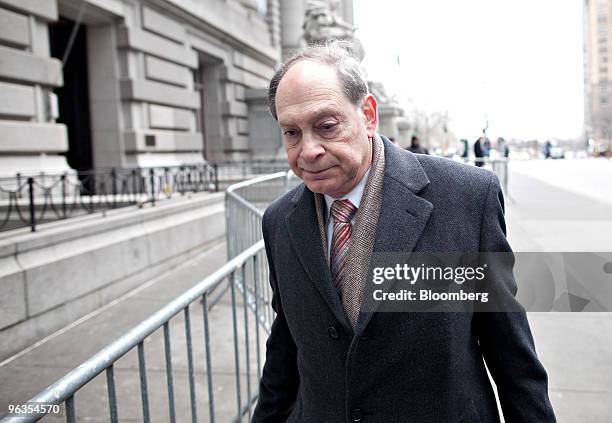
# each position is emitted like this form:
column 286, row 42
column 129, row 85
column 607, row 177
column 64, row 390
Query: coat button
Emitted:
column 333, row 333
column 356, row 415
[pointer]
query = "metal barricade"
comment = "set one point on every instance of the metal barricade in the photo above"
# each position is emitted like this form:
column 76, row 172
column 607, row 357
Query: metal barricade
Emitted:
column 241, row 170
column 244, row 206
column 250, row 267
column 500, row 168
column 245, row 276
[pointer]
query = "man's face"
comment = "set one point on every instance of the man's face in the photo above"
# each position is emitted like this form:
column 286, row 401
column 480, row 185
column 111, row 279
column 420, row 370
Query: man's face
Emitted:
column 327, row 138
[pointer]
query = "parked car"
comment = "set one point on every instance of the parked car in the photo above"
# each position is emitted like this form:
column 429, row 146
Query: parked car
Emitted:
column 557, row 153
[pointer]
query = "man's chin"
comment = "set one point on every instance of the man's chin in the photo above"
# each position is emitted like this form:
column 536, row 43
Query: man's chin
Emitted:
column 322, row 186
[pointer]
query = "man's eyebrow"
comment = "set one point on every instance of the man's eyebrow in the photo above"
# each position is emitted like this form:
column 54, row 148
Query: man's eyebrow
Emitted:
column 317, row 114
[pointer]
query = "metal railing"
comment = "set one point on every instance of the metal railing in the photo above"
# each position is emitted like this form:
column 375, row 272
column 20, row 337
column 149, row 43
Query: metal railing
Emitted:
column 246, row 267
column 244, row 206
column 499, row 166
column 28, row 200
column 245, row 276
column 246, row 169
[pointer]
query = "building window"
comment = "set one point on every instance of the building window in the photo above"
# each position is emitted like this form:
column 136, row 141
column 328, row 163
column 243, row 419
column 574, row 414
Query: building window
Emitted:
column 603, row 70
column 262, row 7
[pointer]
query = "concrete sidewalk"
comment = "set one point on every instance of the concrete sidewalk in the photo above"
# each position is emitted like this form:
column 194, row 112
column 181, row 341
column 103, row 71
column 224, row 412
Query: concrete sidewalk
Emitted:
column 575, row 348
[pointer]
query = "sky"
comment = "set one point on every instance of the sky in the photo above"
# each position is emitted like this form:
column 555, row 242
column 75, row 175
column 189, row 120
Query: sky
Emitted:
column 517, row 63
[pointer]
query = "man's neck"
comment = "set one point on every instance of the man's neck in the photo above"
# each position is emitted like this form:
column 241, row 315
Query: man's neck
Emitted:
column 354, row 195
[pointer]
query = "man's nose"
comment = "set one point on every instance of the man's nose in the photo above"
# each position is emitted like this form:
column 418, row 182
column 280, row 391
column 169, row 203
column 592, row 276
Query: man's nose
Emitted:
column 311, row 148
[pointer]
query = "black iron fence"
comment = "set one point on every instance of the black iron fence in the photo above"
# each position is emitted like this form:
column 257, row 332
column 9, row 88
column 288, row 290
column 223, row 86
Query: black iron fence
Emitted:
column 29, row 200
column 231, row 172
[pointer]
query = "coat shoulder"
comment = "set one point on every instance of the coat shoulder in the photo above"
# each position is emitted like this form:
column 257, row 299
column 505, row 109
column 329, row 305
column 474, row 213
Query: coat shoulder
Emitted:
column 456, row 177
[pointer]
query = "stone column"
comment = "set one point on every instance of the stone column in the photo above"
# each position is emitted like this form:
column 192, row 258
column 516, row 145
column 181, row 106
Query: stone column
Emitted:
column 389, row 117
column 404, row 132
column 104, row 98
column 273, row 17
column 292, row 18
column 347, row 11
column 30, row 139
column 263, row 130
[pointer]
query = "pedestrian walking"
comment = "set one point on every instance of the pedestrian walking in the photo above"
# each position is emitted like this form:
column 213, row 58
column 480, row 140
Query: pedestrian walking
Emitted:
column 479, row 153
column 415, row 146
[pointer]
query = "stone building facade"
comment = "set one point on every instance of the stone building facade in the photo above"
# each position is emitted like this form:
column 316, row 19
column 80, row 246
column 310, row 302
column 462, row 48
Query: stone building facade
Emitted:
column 118, row 83
column 136, row 83
column 598, row 71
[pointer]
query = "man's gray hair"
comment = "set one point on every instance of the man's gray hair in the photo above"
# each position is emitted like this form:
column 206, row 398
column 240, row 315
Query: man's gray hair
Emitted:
column 337, row 55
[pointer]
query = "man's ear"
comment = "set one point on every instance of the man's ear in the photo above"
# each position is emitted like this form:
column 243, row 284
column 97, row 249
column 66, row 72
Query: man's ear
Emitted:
column 370, row 115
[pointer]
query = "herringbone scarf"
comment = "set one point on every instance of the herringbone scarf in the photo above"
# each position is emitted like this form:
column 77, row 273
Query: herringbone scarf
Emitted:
column 362, row 236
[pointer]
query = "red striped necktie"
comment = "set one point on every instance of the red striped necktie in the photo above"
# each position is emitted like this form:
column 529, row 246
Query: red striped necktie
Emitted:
column 342, row 211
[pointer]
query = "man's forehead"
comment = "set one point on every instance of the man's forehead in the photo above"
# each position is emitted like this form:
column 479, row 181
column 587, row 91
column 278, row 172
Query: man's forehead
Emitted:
column 307, row 78
column 308, row 71
column 308, row 90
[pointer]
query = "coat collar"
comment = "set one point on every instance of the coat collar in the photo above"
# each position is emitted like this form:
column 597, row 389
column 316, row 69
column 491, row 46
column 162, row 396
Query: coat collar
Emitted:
column 403, row 167
column 403, row 211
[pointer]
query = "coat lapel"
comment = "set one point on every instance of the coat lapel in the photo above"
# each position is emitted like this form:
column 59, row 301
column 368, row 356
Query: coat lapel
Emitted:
column 402, row 210
column 305, row 235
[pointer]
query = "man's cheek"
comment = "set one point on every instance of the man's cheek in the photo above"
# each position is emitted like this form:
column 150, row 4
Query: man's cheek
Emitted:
column 297, row 171
column 293, row 162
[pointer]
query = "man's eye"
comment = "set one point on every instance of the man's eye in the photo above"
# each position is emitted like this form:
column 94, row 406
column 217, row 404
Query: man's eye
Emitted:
column 328, row 126
column 290, row 133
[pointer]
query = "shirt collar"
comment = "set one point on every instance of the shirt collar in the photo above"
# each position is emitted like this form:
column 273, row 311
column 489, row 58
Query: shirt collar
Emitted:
column 354, row 196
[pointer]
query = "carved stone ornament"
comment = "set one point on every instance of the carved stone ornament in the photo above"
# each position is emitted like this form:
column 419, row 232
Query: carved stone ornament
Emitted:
column 323, row 23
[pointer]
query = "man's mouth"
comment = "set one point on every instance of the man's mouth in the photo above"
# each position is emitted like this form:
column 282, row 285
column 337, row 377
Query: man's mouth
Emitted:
column 316, row 174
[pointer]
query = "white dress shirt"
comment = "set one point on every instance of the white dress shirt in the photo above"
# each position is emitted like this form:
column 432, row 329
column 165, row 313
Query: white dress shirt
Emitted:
column 354, row 197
